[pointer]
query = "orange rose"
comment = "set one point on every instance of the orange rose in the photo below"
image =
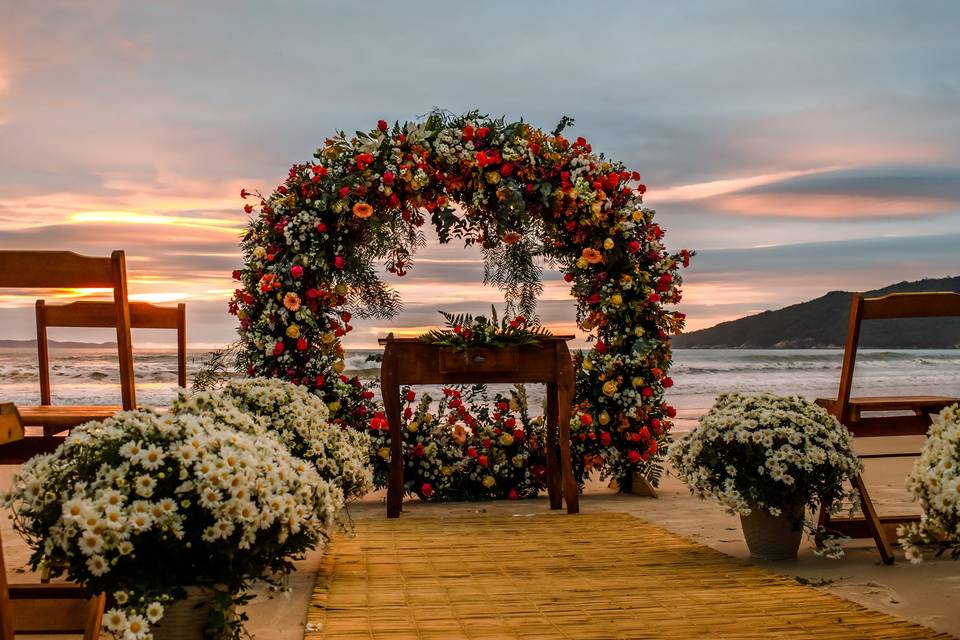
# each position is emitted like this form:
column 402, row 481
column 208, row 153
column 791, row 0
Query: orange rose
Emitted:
column 362, row 210
column 592, row 256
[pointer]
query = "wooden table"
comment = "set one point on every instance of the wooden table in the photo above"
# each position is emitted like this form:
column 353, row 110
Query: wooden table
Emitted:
column 410, row 361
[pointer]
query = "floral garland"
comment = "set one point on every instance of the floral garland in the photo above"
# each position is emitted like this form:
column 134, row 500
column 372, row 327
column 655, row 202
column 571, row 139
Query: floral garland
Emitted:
column 464, row 331
column 310, row 247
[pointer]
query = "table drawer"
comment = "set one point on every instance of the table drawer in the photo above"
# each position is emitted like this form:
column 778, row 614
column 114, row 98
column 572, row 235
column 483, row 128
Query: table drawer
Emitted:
column 479, row 360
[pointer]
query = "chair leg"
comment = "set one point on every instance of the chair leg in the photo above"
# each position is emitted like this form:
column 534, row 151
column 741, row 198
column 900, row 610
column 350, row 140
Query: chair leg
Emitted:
column 872, row 519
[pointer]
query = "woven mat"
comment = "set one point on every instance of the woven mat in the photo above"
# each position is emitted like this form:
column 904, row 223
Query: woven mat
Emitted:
column 551, row 576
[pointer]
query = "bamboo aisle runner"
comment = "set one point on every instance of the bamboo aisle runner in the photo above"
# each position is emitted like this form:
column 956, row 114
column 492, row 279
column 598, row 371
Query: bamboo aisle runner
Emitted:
column 549, row 576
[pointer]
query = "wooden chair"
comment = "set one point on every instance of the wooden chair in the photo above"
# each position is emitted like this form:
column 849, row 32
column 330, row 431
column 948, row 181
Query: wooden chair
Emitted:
column 47, row 609
column 67, row 270
column 87, row 314
column 850, row 410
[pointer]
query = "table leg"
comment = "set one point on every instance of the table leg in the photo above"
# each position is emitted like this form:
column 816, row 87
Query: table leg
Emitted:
column 554, row 487
column 571, row 492
column 391, row 404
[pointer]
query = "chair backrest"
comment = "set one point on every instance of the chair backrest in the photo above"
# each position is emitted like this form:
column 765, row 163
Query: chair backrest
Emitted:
column 86, row 314
column 889, row 307
column 47, row 609
column 65, row 269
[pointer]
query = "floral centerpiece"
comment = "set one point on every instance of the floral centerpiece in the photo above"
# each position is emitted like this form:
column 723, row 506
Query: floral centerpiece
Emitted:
column 464, row 331
column 144, row 507
column 935, row 483
column 766, row 454
column 298, row 418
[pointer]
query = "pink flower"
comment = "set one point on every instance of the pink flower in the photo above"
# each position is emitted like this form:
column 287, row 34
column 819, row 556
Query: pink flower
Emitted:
column 339, row 262
column 278, row 348
column 296, row 271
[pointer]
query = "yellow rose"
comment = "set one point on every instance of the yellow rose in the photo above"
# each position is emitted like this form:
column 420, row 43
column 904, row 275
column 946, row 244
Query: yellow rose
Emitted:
column 489, row 481
column 517, row 461
column 339, row 366
column 637, row 216
column 506, row 439
column 493, row 177
column 638, row 382
column 384, row 453
column 587, row 365
column 428, row 418
column 412, row 427
column 581, row 263
column 446, row 470
column 293, row 331
column 328, row 338
column 340, row 289
column 260, row 253
column 604, row 417
column 616, row 300
column 609, row 388
column 334, row 406
column 595, row 208
column 638, row 331
column 608, row 244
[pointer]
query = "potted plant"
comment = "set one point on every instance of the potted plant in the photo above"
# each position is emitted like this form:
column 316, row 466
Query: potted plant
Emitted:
column 172, row 517
column 935, row 483
column 299, row 419
column 770, row 459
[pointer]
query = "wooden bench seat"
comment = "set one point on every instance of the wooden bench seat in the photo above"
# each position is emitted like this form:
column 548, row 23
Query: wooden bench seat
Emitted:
column 57, row 418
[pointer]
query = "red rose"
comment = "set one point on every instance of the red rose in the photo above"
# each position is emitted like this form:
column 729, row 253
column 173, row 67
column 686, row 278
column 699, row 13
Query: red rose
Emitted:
column 482, row 460
column 426, row 489
column 339, row 262
column 667, row 382
column 633, row 246
column 468, row 132
column 296, row 271
column 518, row 434
column 388, row 178
column 472, row 452
column 506, row 169
column 535, row 149
column 382, row 125
column 586, row 419
column 320, row 170
column 656, row 426
column 278, row 348
column 250, row 370
column 647, row 392
column 513, row 495
column 633, row 456
column 411, row 395
column 320, row 381
column 248, row 208
column 670, row 411
column 486, row 442
column 605, row 438
column 236, row 274
column 321, row 227
column 601, row 346
column 302, row 344
column 644, row 434
column 654, row 297
column 568, row 277
column 642, row 188
column 344, row 192
column 244, row 193
column 510, row 423
column 282, row 190
column 419, row 451
column 482, row 132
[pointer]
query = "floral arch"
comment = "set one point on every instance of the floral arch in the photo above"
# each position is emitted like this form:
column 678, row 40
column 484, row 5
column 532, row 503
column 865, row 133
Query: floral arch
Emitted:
column 528, row 198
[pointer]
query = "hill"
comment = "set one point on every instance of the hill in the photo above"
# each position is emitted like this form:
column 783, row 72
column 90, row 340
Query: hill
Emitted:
column 822, row 323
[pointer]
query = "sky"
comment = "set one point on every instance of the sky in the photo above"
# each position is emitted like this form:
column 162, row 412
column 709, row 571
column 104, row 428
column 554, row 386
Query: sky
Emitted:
column 798, row 147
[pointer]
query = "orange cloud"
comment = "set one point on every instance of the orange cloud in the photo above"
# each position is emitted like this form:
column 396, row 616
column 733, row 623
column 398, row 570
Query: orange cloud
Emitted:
column 830, row 206
column 700, row 190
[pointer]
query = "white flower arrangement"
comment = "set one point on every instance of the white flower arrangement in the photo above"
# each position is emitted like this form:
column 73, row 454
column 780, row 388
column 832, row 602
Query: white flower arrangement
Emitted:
column 141, row 506
column 777, row 454
column 299, row 419
column 935, row 483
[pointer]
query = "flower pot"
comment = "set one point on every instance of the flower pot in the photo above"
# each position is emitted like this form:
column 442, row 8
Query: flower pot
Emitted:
column 773, row 537
column 185, row 619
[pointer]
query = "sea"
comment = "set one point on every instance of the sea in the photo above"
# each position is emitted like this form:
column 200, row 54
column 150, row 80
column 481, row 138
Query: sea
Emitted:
column 89, row 376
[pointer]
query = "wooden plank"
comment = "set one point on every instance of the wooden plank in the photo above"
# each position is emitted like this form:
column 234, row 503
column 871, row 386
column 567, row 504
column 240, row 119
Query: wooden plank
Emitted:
column 890, row 403
column 54, row 269
column 925, row 304
column 479, row 360
column 65, row 416
column 888, row 426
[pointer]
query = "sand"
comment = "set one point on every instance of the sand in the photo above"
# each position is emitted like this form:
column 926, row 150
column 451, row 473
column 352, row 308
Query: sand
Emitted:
column 928, row 593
